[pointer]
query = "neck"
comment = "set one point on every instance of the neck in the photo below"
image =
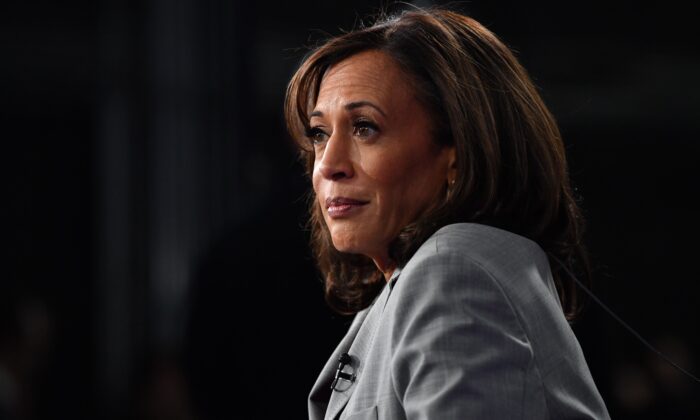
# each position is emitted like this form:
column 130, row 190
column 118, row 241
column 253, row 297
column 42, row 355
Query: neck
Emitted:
column 386, row 266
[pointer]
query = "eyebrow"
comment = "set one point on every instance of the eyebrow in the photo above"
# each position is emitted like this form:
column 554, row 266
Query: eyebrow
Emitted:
column 350, row 106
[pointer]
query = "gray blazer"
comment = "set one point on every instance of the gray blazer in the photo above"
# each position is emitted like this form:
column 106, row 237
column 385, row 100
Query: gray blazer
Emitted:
column 472, row 329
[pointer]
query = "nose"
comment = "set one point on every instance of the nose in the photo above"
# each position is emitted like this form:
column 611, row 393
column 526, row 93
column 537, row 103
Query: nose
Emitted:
column 336, row 163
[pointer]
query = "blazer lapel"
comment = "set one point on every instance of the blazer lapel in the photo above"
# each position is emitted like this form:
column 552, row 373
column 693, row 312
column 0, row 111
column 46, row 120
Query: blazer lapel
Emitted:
column 323, row 402
column 359, row 347
column 321, row 391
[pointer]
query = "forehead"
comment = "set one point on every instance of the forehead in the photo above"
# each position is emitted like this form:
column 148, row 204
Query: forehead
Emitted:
column 369, row 75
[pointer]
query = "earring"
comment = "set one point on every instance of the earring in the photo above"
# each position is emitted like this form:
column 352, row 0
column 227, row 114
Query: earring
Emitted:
column 450, row 185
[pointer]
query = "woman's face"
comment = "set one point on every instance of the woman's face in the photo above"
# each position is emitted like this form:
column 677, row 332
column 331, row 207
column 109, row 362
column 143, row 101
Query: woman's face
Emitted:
column 376, row 166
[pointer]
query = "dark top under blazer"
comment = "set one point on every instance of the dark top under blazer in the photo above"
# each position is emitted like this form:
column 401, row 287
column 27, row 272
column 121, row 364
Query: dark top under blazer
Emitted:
column 470, row 328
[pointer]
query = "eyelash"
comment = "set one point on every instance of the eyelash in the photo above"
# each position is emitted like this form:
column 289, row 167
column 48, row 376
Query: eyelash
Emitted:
column 312, row 133
column 364, row 124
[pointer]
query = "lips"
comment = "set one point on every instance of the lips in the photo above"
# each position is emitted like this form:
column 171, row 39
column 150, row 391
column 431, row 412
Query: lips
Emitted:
column 338, row 201
column 343, row 206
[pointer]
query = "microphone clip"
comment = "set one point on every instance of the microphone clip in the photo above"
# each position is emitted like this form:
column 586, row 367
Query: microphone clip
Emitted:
column 343, row 360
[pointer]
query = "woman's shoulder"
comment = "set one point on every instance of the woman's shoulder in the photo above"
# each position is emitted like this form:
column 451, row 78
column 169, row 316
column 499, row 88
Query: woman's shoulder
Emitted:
column 486, row 297
column 463, row 252
column 485, row 237
column 489, row 278
column 485, row 245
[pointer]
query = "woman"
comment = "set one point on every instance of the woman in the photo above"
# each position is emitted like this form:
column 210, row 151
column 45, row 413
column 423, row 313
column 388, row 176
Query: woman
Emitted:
column 440, row 198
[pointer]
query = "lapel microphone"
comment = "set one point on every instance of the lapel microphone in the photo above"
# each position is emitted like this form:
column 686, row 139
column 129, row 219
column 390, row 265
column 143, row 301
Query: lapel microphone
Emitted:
column 343, row 360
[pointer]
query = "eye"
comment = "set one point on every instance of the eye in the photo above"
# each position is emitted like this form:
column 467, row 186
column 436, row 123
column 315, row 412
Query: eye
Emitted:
column 316, row 135
column 364, row 129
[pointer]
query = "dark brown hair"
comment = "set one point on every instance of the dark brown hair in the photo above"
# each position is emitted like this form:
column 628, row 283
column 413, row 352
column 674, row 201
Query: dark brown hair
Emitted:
column 511, row 162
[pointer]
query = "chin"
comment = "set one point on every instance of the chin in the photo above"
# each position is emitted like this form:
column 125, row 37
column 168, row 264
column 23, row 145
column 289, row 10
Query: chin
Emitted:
column 343, row 246
column 346, row 244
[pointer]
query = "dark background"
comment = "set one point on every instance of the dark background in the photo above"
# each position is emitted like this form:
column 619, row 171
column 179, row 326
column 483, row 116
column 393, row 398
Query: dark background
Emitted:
column 155, row 266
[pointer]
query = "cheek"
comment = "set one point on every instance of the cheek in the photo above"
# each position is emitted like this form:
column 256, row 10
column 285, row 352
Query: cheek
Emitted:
column 383, row 169
column 316, row 183
column 393, row 173
column 408, row 185
column 315, row 180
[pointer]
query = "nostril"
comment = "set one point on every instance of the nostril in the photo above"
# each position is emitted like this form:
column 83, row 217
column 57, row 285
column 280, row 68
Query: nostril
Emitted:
column 338, row 175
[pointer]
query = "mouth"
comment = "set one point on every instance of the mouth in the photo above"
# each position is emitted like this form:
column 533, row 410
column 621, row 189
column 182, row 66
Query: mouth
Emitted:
column 338, row 207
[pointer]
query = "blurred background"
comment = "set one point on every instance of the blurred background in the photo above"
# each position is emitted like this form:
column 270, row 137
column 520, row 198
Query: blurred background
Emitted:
column 156, row 266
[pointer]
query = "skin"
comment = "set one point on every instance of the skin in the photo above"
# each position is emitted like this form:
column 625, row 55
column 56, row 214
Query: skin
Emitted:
column 372, row 143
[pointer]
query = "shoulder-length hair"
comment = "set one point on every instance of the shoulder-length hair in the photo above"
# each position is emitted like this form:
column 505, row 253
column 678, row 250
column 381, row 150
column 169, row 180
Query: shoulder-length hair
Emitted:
column 511, row 162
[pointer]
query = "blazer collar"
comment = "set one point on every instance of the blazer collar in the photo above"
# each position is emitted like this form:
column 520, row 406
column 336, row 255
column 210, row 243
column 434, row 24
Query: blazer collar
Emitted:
column 325, row 403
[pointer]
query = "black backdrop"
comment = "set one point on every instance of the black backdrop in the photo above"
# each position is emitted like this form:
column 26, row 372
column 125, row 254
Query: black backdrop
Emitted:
column 155, row 263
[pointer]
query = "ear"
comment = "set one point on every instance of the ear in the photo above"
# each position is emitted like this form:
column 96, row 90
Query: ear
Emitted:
column 451, row 164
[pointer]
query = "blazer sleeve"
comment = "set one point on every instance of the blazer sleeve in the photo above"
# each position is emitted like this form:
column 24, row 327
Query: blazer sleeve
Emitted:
column 459, row 350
